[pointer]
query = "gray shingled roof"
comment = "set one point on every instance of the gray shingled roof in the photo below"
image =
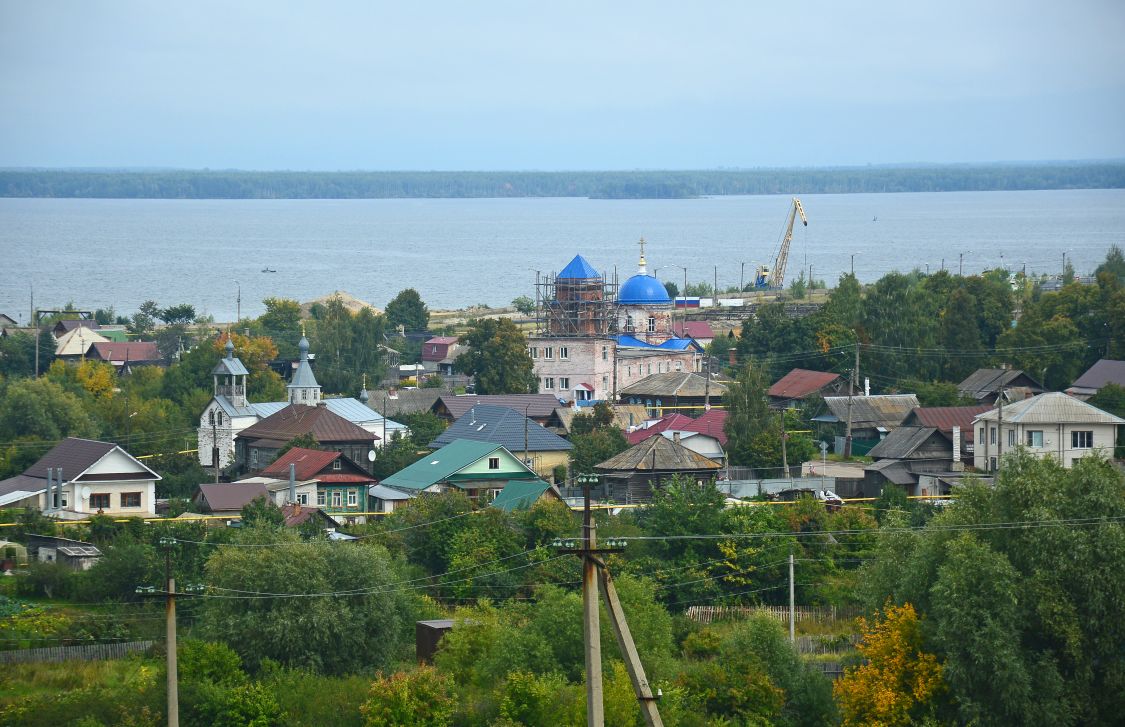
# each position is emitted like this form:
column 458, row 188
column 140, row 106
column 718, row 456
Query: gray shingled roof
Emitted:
column 658, row 454
column 504, row 426
column 901, row 442
column 1054, row 407
column 675, row 383
column 1105, row 371
column 984, row 382
column 883, row 410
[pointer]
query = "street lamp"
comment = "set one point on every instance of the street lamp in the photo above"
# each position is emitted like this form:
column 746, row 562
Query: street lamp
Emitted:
column 853, row 263
column 961, row 261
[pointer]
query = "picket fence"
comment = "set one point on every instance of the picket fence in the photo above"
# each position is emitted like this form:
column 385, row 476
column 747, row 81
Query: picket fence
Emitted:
column 710, row 614
column 83, row 652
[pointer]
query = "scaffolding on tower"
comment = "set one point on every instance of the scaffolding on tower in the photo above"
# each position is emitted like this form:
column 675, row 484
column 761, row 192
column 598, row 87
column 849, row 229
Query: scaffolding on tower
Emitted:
column 577, row 302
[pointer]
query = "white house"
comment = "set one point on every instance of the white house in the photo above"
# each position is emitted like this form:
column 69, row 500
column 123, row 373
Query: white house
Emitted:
column 82, row 477
column 1052, row 424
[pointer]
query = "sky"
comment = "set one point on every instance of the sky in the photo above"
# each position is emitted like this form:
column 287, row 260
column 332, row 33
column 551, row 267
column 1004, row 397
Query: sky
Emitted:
column 557, row 86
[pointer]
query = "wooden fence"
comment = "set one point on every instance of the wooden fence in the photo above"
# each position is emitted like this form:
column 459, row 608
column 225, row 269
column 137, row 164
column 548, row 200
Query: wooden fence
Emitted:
column 83, row 652
column 709, row 614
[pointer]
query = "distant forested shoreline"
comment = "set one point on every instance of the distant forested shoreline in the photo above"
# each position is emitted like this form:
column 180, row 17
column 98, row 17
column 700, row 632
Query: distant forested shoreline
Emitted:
column 207, row 184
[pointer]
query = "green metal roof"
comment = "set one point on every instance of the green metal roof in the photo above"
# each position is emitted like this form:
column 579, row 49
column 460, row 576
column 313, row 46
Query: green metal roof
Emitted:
column 520, row 494
column 440, row 465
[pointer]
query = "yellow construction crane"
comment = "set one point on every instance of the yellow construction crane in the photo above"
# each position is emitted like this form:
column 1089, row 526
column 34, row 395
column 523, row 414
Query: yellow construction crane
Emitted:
column 775, row 278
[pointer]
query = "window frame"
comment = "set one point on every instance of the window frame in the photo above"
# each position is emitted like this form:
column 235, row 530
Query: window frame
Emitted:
column 493, row 463
column 564, row 383
column 96, row 500
column 1078, row 436
column 1030, row 438
column 337, row 499
column 321, row 498
column 548, row 353
column 133, row 497
column 353, row 498
column 564, row 353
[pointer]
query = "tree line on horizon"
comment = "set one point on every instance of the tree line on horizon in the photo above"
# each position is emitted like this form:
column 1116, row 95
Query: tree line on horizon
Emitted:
column 236, row 184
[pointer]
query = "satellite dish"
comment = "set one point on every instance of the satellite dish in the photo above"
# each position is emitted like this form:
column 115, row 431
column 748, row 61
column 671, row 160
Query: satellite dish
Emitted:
column 371, row 455
column 85, row 493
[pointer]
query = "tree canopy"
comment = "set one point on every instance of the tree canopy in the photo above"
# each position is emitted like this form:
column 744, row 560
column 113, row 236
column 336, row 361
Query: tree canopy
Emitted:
column 497, row 358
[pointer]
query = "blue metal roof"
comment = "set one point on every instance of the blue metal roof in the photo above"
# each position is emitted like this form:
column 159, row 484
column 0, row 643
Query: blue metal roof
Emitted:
column 579, row 269
column 501, row 425
column 672, row 344
column 643, row 290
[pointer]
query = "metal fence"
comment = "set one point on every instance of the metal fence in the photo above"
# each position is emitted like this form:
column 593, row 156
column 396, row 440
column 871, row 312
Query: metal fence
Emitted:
column 83, row 652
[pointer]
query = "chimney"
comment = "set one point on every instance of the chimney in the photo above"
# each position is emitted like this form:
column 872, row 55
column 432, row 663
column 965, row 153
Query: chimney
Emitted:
column 58, row 486
column 730, row 355
column 50, row 505
column 676, row 437
column 322, row 403
column 292, row 483
column 866, row 386
column 957, row 448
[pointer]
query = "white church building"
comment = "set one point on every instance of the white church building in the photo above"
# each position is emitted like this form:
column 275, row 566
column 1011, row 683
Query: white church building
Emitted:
column 229, row 413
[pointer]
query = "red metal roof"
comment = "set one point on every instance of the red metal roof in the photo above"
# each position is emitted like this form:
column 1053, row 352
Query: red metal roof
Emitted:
column 309, row 462
column 672, row 421
column 801, row 382
column 694, row 329
column 945, row 418
column 711, row 424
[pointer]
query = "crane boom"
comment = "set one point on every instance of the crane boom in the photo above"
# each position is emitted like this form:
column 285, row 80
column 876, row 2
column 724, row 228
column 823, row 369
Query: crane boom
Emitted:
column 777, row 279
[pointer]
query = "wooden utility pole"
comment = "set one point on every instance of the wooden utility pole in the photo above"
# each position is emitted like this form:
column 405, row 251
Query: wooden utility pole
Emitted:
column 1000, row 431
column 784, row 454
column 591, row 631
column 594, row 571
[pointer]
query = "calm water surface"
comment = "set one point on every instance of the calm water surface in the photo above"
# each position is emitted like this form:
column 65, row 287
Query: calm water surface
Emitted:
column 459, row 252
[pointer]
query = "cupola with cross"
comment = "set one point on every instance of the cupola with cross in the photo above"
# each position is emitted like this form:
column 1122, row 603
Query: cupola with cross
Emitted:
column 303, row 387
column 230, row 377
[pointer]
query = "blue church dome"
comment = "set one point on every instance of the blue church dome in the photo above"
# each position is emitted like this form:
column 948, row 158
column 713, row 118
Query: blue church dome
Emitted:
column 643, row 290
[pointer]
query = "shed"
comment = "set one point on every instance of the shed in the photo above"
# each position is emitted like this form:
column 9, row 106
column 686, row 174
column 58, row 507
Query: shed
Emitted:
column 634, row 474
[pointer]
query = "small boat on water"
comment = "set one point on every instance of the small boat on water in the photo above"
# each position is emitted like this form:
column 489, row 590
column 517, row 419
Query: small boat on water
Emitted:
column 268, row 269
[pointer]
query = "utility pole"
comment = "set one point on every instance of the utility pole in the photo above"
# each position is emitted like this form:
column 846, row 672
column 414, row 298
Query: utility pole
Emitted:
column 170, row 627
column 853, row 381
column 792, row 602
column 714, row 302
column 707, row 384
column 1000, row 431
column 594, row 571
column 215, row 451
column 784, row 455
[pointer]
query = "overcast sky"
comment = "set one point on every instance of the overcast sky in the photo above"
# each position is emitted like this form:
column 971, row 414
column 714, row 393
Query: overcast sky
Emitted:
column 572, row 85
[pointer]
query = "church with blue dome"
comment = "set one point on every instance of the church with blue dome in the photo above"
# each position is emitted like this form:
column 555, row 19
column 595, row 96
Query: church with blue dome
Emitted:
column 595, row 337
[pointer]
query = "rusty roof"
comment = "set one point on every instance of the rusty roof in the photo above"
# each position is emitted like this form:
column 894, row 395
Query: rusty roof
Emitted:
column 134, row 351
column 296, row 419
column 799, row 383
column 693, row 329
column 712, row 423
column 538, row 406
column 947, row 417
column 658, row 454
column 882, row 410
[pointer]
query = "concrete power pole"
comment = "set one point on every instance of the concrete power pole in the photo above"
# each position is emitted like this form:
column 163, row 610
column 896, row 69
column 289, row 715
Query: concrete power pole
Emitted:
column 792, row 602
column 853, row 382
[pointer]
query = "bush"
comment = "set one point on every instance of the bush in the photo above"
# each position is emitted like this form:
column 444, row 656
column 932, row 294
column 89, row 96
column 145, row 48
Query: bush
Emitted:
column 409, row 699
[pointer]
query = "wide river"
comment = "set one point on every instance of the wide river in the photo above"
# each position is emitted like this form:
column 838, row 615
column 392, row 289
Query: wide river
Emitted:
column 460, row 252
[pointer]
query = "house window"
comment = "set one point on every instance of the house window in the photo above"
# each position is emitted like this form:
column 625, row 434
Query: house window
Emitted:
column 605, row 384
column 254, row 457
column 320, row 498
column 337, row 499
column 651, row 324
column 605, row 353
column 336, row 464
column 211, row 417
column 992, row 435
column 1035, row 438
column 564, row 354
column 353, row 499
column 650, row 369
column 630, row 372
column 303, row 498
column 679, row 366
column 549, row 382
column 1081, row 440
column 99, row 501
column 219, row 418
column 130, row 499
column 493, row 463
column 564, row 383
column 548, row 352
column 980, row 434
column 533, row 351
column 1011, row 437
column 992, row 463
